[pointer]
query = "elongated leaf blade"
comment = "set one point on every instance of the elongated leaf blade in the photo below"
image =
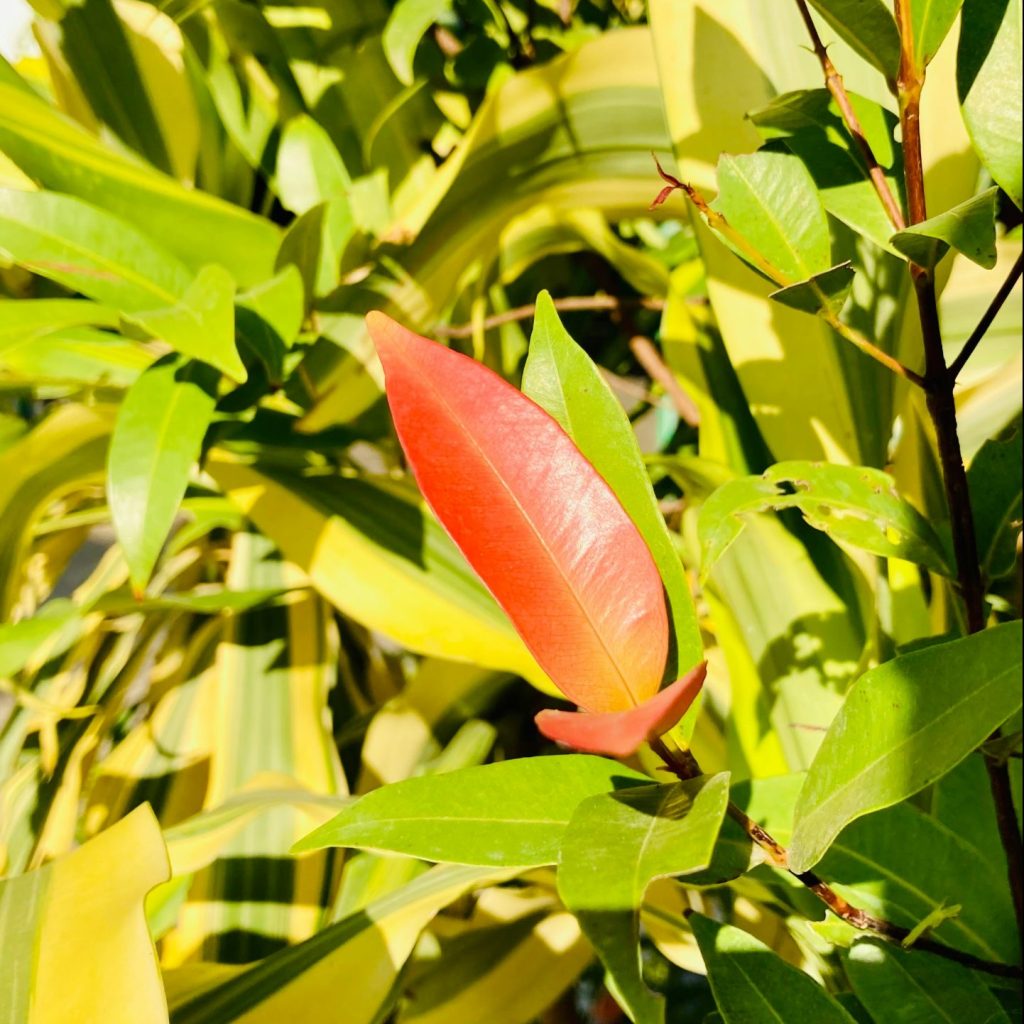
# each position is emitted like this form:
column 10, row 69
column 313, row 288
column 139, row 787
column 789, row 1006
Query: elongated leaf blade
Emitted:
column 750, row 982
column 458, row 817
column 924, row 987
column 563, row 380
column 157, row 439
column 930, row 23
column 574, row 576
column 904, row 725
column 615, row 846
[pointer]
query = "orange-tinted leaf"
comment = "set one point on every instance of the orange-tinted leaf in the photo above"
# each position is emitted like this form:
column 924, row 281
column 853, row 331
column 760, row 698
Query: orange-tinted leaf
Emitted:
column 621, row 733
column 533, row 517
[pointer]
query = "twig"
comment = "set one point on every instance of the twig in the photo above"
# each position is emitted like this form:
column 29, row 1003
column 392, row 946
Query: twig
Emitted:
column 684, row 766
column 942, row 410
column 986, row 321
column 718, row 222
column 571, row 304
column 649, row 358
column 834, row 84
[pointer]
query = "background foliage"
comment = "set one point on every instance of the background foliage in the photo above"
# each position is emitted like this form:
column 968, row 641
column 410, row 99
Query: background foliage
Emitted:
column 227, row 612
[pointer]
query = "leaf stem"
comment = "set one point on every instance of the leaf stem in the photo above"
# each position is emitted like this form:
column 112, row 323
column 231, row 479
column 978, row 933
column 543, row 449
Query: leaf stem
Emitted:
column 942, row 410
column 986, row 320
column 834, row 84
column 684, row 766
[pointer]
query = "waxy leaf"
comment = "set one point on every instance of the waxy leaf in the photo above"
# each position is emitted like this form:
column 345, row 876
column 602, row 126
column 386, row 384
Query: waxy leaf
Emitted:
column 512, row 813
column 563, row 380
column 751, row 983
column 854, row 504
column 925, row 988
column 769, row 197
column 904, row 725
column 157, row 438
column 969, row 227
column 988, row 80
column 621, row 733
column 543, row 530
column 615, row 846
column 870, row 29
column 994, row 479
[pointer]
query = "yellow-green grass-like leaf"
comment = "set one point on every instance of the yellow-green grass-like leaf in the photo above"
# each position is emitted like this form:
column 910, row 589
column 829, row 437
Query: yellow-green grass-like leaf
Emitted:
column 615, row 846
column 750, row 982
column 903, row 726
column 156, row 441
column 22, row 319
column 561, row 378
column 922, row 986
column 455, row 817
column 374, row 551
column 988, row 78
column 370, row 945
column 73, row 934
column 64, row 452
column 969, row 228
column 198, row 228
column 853, row 504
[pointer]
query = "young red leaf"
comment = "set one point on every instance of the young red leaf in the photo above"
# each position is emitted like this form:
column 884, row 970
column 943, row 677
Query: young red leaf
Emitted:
column 621, row 733
column 533, row 517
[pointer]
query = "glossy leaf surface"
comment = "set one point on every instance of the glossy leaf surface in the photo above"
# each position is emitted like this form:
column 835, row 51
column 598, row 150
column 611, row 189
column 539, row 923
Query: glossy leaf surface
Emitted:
column 904, row 725
column 615, row 846
column 868, row 26
column 457, row 817
column 563, row 380
column 157, row 438
column 575, row 577
column 751, row 983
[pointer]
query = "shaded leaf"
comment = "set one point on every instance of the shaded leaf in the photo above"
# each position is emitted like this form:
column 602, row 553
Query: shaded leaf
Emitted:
column 994, row 478
column 904, row 725
column 869, row 27
column 854, row 504
column 826, row 291
column 969, row 228
column 615, row 846
column 407, row 23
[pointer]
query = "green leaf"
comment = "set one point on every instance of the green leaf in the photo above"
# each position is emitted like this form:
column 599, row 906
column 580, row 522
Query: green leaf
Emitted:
column 196, row 227
column 769, row 197
column 202, row 324
column 970, row 228
column 870, row 29
column 408, row 22
column 811, row 125
column 88, row 250
column 511, row 814
column 823, row 292
column 918, row 988
column 51, row 631
column 73, row 355
column 279, row 302
column 562, row 379
column 904, row 725
column 994, row 479
column 615, row 846
column 988, row 80
column 930, row 22
column 22, row 319
column 853, row 504
column 315, row 242
column 751, row 983
column 157, row 438
column 309, row 168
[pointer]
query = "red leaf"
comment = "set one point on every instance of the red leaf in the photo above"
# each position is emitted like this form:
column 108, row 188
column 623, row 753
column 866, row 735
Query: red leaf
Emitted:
column 533, row 517
column 621, row 733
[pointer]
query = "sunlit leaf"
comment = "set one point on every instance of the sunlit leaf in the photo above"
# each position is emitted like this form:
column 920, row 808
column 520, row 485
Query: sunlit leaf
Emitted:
column 969, row 228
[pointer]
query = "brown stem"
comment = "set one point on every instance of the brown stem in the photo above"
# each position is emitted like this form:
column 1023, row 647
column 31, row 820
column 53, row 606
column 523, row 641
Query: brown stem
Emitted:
column 574, row 303
column 986, row 321
column 650, row 359
column 684, row 766
column 942, row 410
column 834, row 84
